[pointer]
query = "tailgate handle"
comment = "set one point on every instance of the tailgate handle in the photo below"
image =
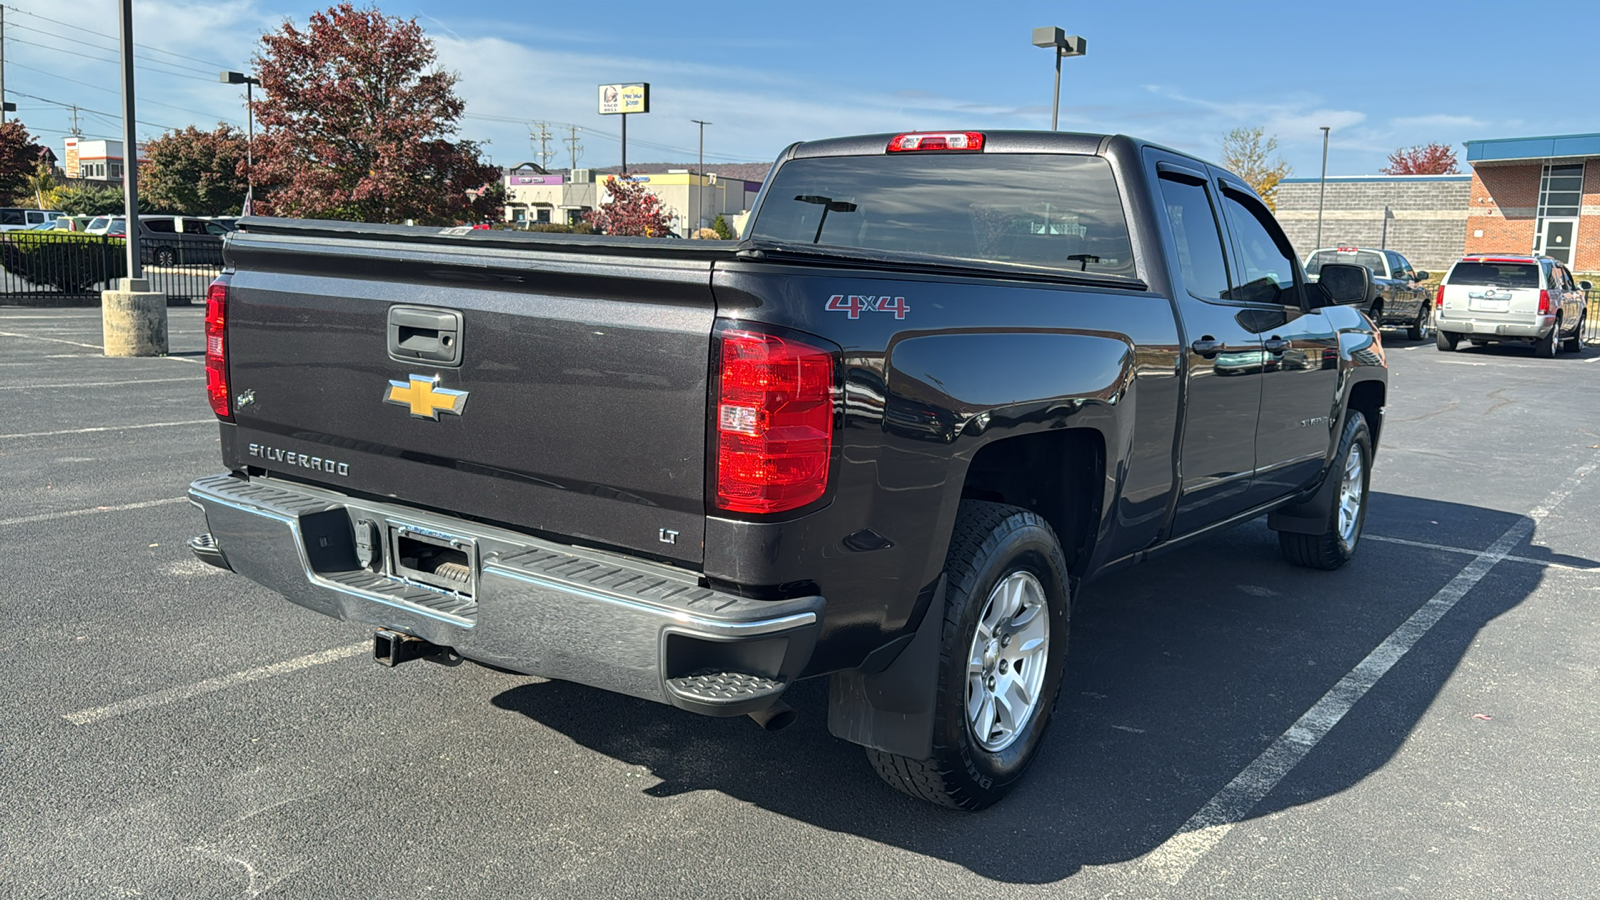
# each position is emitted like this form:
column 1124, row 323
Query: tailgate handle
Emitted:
column 420, row 334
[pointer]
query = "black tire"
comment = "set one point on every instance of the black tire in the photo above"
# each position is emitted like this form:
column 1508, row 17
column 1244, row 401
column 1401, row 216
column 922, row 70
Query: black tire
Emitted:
column 1418, row 330
column 1444, row 340
column 992, row 543
column 1545, row 347
column 1336, row 544
column 1574, row 344
column 1377, row 313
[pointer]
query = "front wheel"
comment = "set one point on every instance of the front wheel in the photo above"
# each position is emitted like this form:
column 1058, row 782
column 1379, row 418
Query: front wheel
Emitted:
column 1337, row 543
column 1003, row 648
column 1574, row 344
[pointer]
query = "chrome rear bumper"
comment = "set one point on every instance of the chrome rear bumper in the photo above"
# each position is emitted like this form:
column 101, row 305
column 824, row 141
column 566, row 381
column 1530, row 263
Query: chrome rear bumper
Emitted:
column 538, row 607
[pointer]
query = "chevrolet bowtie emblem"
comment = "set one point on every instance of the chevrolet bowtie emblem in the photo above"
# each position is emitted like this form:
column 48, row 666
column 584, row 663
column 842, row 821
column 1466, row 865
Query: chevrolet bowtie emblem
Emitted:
column 425, row 398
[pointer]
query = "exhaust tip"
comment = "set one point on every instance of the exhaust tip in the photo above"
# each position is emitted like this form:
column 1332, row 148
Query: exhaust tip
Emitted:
column 776, row 717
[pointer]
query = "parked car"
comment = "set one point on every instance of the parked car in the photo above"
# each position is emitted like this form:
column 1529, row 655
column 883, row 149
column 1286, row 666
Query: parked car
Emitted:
column 1511, row 297
column 993, row 379
column 180, row 240
column 1398, row 299
column 15, row 219
column 103, row 224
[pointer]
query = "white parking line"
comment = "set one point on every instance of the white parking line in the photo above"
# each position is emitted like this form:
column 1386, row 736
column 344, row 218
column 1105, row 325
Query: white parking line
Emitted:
column 1206, row 828
column 35, row 337
column 212, row 685
column 34, row 434
column 72, row 513
column 89, row 384
column 1546, row 563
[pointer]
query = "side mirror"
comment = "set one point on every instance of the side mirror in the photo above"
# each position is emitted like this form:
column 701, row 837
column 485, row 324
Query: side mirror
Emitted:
column 1422, row 276
column 1586, row 285
column 1346, row 283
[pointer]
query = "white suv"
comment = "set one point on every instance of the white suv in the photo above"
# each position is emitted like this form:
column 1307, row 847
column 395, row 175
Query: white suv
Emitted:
column 1487, row 299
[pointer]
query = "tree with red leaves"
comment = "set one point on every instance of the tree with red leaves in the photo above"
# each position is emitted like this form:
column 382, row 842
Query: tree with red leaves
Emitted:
column 195, row 173
column 631, row 210
column 19, row 161
column 1426, row 159
column 358, row 124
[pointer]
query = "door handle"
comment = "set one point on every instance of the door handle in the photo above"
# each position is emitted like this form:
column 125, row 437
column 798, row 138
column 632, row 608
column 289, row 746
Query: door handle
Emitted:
column 1207, row 347
column 1275, row 345
column 421, row 334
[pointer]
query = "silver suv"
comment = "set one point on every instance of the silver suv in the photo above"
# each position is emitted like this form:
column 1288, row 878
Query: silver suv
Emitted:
column 1487, row 299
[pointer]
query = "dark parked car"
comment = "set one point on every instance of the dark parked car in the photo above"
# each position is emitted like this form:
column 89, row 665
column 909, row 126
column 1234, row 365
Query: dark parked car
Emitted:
column 182, row 240
column 946, row 378
column 1398, row 297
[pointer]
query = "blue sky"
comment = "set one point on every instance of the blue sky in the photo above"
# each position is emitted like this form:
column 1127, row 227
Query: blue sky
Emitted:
column 1382, row 75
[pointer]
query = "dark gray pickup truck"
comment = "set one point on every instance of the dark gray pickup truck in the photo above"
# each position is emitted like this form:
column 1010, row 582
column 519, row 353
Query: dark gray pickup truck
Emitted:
column 944, row 379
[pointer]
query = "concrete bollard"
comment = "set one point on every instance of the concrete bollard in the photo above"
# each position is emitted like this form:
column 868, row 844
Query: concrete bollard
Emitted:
column 133, row 319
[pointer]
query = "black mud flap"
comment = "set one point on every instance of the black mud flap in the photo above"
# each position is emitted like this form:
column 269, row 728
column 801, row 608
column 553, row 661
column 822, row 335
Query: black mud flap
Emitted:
column 1310, row 517
column 892, row 709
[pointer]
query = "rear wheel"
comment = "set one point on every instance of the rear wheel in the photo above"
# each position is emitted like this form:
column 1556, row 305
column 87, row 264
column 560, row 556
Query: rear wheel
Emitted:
column 1003, row 648
column 165, row 256
column 1337, row 543
column 1446, row 340
column 1545, row 347
column 1418, row 330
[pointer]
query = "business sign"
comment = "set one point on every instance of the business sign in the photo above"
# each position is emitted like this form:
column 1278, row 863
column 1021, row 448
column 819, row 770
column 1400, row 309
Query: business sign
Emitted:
column 624, row 98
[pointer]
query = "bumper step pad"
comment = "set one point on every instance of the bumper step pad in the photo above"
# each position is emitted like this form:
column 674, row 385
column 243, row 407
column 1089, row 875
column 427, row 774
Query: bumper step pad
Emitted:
column 725, row 688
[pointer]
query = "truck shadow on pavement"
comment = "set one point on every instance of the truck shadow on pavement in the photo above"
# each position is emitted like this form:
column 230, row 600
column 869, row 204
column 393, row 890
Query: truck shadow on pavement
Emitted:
column 1181, row 672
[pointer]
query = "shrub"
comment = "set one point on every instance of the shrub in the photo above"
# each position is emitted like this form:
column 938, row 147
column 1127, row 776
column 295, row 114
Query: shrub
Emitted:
column 67, row 261
column 720, row 226
column 706, row 234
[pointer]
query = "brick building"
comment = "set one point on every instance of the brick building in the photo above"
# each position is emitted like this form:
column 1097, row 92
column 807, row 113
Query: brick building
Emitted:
column 1539, row 194
column 1421, row 216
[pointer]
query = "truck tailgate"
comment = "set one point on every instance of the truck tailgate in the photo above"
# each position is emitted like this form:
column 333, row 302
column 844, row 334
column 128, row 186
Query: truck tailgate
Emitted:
column 577, row 408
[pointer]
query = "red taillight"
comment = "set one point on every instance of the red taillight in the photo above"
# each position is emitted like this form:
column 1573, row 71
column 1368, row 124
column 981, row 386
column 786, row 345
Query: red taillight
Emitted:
column 1544, row 303
column 937, row 140
column 774, row 423
column 1438, row 299
column 217, row 348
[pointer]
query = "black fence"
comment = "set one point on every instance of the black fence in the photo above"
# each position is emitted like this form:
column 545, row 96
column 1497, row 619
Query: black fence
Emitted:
column 1591, row 319
column 72, row 268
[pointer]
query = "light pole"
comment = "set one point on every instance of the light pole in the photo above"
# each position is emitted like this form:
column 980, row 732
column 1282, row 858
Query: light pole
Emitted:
column 700, row 173
column 1065, row 45
column 1322, row 191
column 248, row 81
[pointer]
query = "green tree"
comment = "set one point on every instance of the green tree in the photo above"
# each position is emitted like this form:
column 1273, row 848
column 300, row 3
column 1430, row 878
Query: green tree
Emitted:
column 1249, row 154
column 720, row 226
column 195, row 173
column 88, row 200
column 358, row 123
column 19, row 162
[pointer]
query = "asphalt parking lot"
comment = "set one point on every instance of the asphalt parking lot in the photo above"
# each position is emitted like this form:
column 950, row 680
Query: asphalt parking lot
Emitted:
column 1421, row 723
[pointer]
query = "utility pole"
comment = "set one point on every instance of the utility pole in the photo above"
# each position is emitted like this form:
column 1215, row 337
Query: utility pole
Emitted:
column 573, row 147
column 699, row 176
column 4, row 106
column 543, row 137
column 1322, row 191
column 130, row 149
column 76, row 131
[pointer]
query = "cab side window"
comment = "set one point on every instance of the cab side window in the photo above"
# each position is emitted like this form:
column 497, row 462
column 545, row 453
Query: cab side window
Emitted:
column 1196, row 237
column 194, row 226
column 1266, row 265
column 162, row 226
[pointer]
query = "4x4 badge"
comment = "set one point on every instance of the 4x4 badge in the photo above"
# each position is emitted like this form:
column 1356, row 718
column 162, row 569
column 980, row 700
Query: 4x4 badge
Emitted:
column 425, row 397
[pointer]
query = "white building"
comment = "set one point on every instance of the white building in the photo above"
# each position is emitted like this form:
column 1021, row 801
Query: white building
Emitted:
column 94, row 160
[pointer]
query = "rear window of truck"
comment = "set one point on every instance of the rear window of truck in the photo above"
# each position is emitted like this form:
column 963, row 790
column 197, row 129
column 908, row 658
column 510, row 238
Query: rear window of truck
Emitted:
column 1500, row 275
column 1041, row 211
column 1372, row 261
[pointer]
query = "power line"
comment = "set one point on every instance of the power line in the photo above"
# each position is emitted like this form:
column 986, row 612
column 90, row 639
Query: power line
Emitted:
column 16, row 65
column 84, row 56
column 112, row 37
column 110, row 116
